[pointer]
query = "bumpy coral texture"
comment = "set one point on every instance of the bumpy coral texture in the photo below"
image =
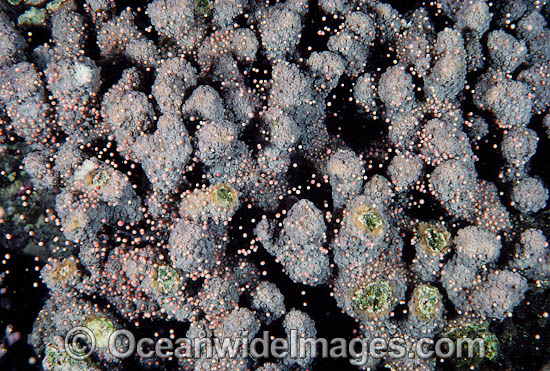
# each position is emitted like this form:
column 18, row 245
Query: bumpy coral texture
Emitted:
column 200, row 159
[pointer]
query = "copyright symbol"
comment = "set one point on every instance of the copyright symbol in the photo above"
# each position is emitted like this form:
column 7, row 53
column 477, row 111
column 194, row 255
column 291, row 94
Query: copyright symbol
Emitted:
column 79, row 343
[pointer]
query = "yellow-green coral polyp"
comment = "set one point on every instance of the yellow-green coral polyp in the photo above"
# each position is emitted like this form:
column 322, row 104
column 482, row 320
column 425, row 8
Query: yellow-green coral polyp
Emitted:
column 167, row 278
column 427, row 301
column 375, row 298
column 102, row 327
column 434, row 238
column 370, row 220
column 224, row 196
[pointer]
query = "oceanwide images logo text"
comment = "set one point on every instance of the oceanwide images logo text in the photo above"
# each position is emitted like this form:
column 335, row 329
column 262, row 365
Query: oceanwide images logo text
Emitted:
column 81, row 343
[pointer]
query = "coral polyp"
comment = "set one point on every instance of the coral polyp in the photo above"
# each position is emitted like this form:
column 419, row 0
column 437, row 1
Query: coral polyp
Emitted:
column 370, row 219
column 427, row 301
column 102, row 328
column 167, row 279
column 224, row 196
column 375, row 298
column 434, row 238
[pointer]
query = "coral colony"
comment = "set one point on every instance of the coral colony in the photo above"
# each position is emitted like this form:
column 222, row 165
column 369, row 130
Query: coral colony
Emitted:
column 156, row 154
